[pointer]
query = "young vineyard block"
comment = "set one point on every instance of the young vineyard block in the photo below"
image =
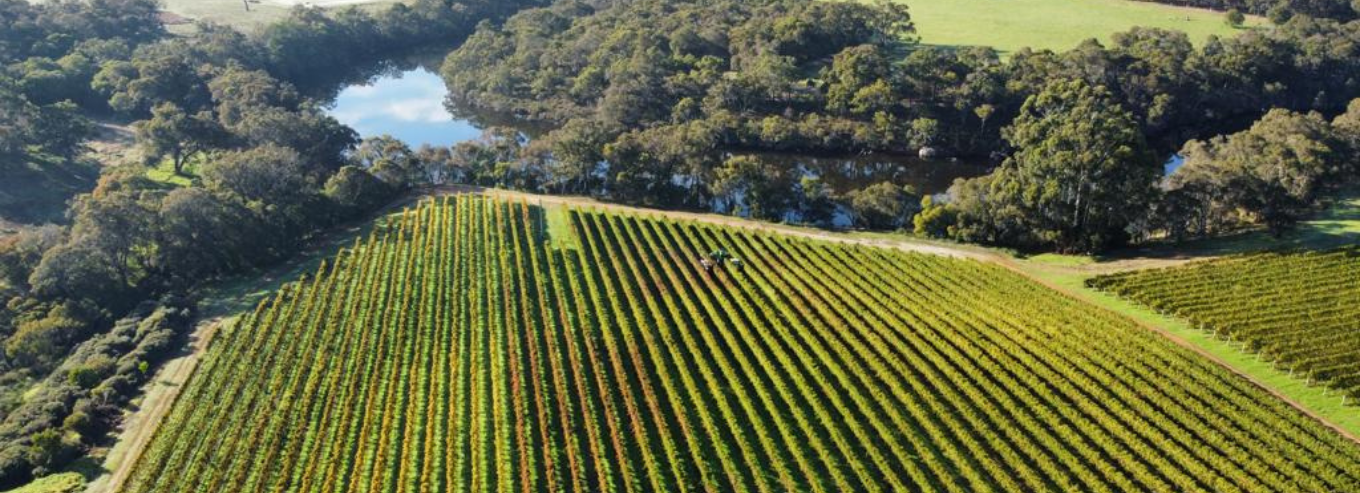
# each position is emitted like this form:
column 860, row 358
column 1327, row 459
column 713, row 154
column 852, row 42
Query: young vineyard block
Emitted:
column 1300, row 310
column 460, row 349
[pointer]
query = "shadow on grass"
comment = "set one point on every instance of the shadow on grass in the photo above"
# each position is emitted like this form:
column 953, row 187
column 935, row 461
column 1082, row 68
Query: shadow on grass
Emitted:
column 1335, row 227
column 243, row 292
column 36, row 189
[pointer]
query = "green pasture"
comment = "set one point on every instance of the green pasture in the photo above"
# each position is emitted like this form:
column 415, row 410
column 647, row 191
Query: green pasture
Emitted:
column 234, row 13
column 1009, row 25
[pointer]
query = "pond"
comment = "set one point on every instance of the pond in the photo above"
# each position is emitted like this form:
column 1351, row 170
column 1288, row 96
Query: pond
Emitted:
column 407, row 105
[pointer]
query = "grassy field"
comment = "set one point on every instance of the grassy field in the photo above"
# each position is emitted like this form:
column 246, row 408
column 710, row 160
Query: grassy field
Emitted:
column 464, row 348
column 233, row 12
column 1008, row 25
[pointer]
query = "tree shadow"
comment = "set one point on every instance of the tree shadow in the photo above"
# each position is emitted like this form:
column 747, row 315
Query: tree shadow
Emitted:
column 1337, row 226
column 37, row 189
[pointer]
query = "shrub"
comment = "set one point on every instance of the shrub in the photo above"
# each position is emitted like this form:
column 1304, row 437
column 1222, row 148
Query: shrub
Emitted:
column 1235, row 18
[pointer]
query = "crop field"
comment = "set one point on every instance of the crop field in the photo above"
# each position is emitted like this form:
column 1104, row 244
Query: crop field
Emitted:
column 470, row 347
column 1059, row 25
column 1300, row 310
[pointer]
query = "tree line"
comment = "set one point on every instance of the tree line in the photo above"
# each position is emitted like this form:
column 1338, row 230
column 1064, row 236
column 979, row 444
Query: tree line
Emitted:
column 1084, row 180
column 654, row 98
column 1278, row 11
column 272, row 170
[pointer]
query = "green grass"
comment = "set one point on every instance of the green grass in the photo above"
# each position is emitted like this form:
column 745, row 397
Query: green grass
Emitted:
column 67, row 482
column 1061, row 260
column 1009, row 25
column 1315, row 398
column 1337, row 226
column 233, row 12
column 165, row 173
column 559, row 227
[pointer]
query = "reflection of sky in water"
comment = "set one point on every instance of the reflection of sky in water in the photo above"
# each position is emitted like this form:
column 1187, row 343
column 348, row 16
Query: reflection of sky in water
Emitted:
column 1173, row 163
column 409, row 106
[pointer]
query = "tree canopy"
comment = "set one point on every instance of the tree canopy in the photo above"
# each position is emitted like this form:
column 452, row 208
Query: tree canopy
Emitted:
column 1081, row 175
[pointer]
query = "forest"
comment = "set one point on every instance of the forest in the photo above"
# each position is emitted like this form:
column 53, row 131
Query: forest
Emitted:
column 655, row 99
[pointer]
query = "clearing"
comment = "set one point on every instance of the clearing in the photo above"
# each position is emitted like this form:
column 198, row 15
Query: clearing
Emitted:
column 234, row 13
column 1059, row 25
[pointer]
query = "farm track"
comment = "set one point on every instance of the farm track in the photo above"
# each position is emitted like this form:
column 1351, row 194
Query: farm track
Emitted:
column 728, row 221
column 140, row 427
column 145, row 429
column 219, row 308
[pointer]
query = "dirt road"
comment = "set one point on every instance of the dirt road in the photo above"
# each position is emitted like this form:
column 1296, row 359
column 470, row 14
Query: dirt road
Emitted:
column 140, row 427
column 729, row 221
column 219, row 309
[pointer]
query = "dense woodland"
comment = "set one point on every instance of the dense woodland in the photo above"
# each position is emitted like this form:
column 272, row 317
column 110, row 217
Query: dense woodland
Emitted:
column 655, row 97
column 653, row 102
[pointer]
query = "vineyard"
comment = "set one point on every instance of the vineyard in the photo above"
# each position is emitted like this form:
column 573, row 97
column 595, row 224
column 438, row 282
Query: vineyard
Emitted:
column 1299, row 310
column 470, row 346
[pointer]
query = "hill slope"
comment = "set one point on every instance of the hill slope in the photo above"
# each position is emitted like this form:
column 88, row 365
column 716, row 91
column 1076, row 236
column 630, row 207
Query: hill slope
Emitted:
column 1297, row 309
column 467, row 349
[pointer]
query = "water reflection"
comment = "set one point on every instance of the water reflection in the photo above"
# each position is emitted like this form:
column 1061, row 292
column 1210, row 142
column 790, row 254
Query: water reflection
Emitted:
column 843, row 174
column 409, row 101
column 1172, row 164
column 407, row 105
